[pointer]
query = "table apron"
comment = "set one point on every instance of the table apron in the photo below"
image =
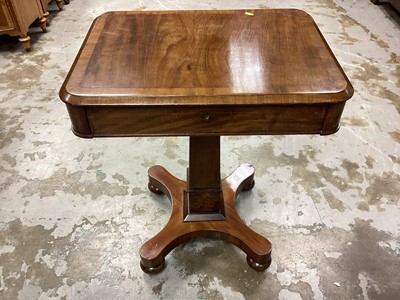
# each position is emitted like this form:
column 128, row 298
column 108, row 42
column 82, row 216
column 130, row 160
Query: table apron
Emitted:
column 96, row 121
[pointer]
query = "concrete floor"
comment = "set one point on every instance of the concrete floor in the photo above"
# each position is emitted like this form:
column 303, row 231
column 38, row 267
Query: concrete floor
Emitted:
column 74, row 212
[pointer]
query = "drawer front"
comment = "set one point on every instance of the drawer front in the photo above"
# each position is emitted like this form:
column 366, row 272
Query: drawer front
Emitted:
column 186, row 121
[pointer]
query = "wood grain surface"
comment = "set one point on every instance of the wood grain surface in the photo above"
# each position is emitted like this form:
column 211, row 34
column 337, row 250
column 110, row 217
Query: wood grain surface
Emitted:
column 206, row 58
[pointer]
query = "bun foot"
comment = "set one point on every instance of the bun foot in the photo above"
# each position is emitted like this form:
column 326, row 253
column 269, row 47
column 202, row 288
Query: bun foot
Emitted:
column 154, row 189
column 249, row 186
column 60, row 4
column 153, row 270
column 257, row 266
column 25, row 41
column 42, row 23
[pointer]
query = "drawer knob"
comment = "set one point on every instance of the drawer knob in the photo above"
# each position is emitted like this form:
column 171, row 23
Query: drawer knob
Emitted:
column 206, row 117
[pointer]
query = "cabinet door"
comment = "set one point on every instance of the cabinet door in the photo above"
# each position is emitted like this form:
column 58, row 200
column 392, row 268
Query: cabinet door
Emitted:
column 6, row 22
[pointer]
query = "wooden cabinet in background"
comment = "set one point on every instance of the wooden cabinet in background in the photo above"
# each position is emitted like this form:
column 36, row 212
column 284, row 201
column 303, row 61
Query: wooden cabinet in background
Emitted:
column 45, row 5
column 17, row 15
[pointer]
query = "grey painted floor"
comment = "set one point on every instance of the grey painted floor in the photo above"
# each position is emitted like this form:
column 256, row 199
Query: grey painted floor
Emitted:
column 74, row 212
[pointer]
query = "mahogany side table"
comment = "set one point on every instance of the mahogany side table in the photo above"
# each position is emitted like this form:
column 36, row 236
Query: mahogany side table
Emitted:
column 204, row 74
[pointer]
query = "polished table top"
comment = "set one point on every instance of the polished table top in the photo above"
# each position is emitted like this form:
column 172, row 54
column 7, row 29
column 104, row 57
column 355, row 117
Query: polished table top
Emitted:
column 205, row 73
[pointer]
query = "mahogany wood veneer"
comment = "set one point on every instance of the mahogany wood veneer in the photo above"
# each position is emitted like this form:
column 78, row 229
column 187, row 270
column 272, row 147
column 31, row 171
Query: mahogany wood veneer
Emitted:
column 204, row 74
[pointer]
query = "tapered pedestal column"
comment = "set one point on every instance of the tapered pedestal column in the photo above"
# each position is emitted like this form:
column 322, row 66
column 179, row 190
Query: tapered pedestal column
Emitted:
column 203, row 207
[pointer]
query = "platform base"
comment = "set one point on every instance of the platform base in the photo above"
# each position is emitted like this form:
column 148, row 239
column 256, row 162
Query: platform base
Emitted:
column 178, row 231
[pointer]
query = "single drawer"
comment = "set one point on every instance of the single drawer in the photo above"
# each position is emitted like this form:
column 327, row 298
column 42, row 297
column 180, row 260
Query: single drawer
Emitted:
column 91, row 121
